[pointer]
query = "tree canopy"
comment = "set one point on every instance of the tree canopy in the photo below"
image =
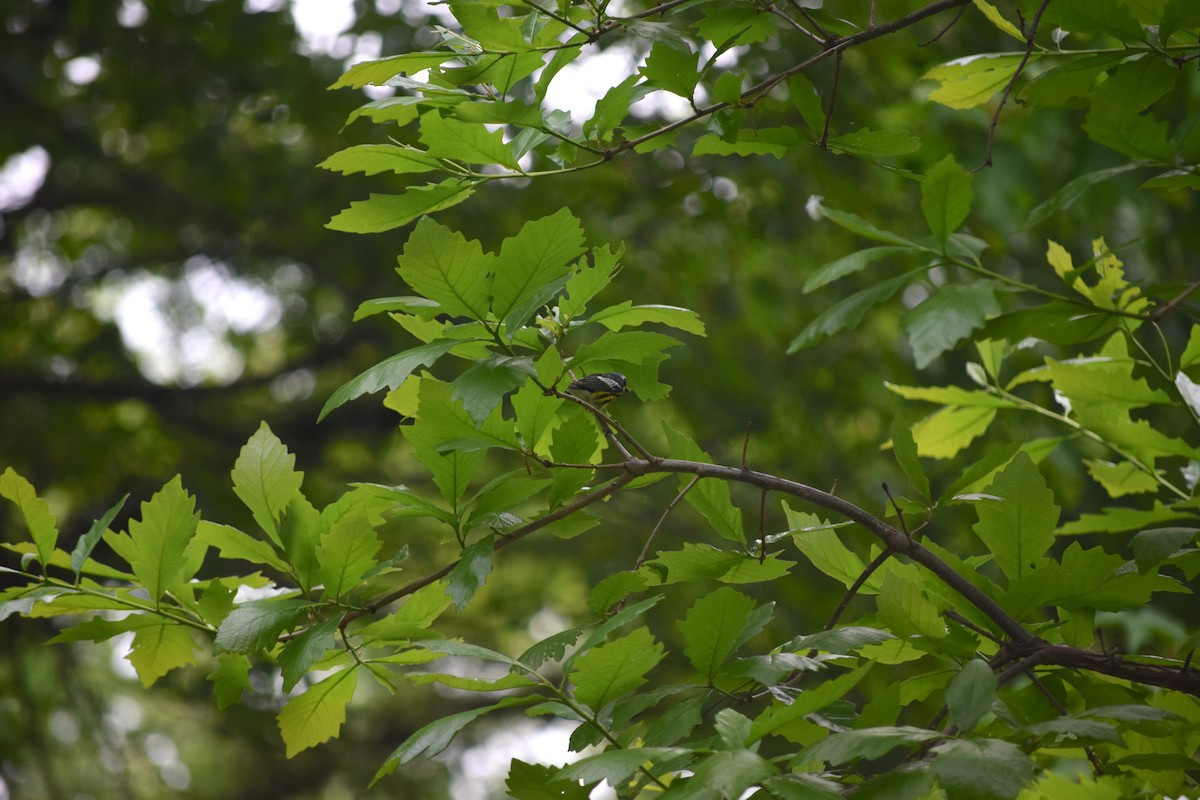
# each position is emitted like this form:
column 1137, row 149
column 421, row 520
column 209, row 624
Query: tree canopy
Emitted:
column 901, row 501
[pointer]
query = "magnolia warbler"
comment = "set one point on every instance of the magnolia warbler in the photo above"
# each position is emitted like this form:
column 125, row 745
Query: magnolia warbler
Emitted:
column 600, row 388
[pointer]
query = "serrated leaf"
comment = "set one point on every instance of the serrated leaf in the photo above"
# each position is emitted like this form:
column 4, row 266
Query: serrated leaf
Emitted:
column 615, row 669
column 1134, row 135
column 265, row 478
column 371, row 159
column 347, row 551
column 671, row 68
column 311, row 718
column 712, row 629
column 447, row 268
column 1020, row 529
column 905, row 449
column 872, row 144
column 981, row 769
column 383, row 212
column 158, row 649
column 299, row 654
column 848, row 265
column 160, row 538
column 712, row 497
column 42, row 524
column 806, row 100
column 483, row 387
column 1152, row 547
column 379, row 71
column 230, row 679
column 995, row 17
column 613, row 589
column 973, row 80
column 1122, row 478
column 231, row 543
column 539, row 256
column 779, row 716
column 948, row 431
column 626, row 314
column 871, row 743
column 253, row 627
column 469, row 142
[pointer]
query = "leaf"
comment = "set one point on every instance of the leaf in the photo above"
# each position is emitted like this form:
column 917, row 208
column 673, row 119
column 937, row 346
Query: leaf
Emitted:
column 542, row 782
column 1019, row 529
column 469, row 142
column 972, row 80
column 671, row 68
column 848, row 265
column 311, row 718
column 871, row 743
column 371, row 159
column 1121, row 479
column 378, row 72
column 483, row 387
column 971, row 694
column 779, row 716
column 437, row 735
column 617, row 764
column 160, row 538
column 231, row 543
column 253, row 627
column 389, row 373
column 981, row 769
column 710, row 497
column 1116, row 520
column 1082, row 16
column 905, row 448
column 995, row 17
column 615, row 669
column 613, row 589
column 748, row 142
column 868, row 143
column 729, row 773
column 230, row 679
column 805, row 98
column 949, row 316
column 158, row 649
column 43, row 526
column 445, row 267
column 347, row 551
column 948, row 431
column 610, row 110
column 538, row 256
column 83, row 548
column 946, row 196
column 471, row 572
column 626, row 314
column 1152, row 547
column 1134, row 135
column 847, row 313
column 265, row 478
column 712, row 629
column 383, row 212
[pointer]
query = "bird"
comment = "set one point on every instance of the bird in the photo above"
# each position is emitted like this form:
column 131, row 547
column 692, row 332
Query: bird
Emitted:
column 599, row 388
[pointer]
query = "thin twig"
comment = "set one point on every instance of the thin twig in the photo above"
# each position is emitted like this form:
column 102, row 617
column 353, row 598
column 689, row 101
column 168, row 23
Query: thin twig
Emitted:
column 837, row 77
column 1029, row 37
column 1162, row 311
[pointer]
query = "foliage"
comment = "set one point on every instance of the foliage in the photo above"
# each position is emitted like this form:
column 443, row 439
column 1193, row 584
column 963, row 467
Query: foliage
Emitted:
column 971, row 609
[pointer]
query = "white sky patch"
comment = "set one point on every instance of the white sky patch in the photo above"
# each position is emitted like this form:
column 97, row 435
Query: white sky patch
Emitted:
column 21, row 176
column 82, row 70
column 321, row 23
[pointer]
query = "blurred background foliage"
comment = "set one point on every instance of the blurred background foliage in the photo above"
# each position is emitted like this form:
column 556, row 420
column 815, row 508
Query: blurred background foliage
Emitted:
column 166, row 282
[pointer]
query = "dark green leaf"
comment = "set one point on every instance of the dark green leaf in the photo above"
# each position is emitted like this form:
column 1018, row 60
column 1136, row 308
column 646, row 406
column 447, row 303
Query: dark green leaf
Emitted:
column 253, row 627
column 298, row 655
column 389, row 373
column 948, row 316
column 83, row 548
column 971, row 694
column 470, row 573
column 847, row 313
column 946, row 196
column 382, row 212
column 981, row 769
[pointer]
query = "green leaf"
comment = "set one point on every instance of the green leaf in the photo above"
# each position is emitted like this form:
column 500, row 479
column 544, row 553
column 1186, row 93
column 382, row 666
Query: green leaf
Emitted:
column 1135, row 135
column 471, row 572
column 443, row 424
column 946, row 196
column 710, row 497
column 587, row 281
column 728, row 773
column 231, row 543
column 905, row 448
column 637, row 354
column 265, row 478
column 538, row 256
column 997, row 19
column 610, row 110
column 971, row 694
column 389, row 373
column 1074, row 79
column 383, row 212
column 371, row 159
column 1019, row 528
column 1121, row 479
column 847, row 313
column 83, row 548
column 825, row 551
column 617, row 764
column 615, row 669
column 981, row 769
column 779, row 716
column 871, row 743
column 300, row 529
column 253, row 627
column 626, row 314
column 1137, row 84
column 748, row 142
column 98, row 629
column 945, row 433
column 537, row 416
column 378, row 72
column 871, row 144
column 712, row 629
column 160, row 538
column 807, row 101
column 445, row 267
column 671, row 68
column 1152, row 547
column 347, row 551
column 158, row 649
column 848, row 265
column 437, row 735
column 948, row 316
column 469, row 142
column 973, row 80
column 542, row 782
column 1082, row 16
column 483, row 387
column 613, row 589
column 43, row 526
column 311, row 718
column 907, row 608
column 1123, row 518
column 230, row 679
